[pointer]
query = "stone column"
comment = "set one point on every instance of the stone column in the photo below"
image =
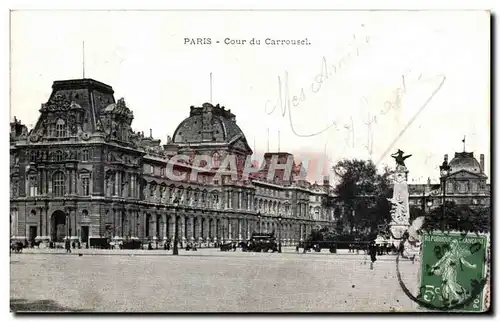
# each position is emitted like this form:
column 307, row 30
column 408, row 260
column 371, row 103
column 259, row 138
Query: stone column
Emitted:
column 190, row 230
column 211, row 228
column 133, row 219
column 199, row 228
column 182, row 228
column 239, row 228
column 171, row 230
column 75, row 181
column 204, row 223
column 207, row 229
column 164, row 218
column 152, row 226
column 47, row 222
column 76, row 217
column 230, row 228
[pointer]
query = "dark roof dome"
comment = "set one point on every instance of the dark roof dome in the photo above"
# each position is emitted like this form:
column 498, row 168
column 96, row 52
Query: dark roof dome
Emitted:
column 208, row 124
column 465, row 161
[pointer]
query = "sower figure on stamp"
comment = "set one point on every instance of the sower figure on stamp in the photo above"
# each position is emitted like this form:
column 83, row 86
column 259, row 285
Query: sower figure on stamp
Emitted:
column 447, row 267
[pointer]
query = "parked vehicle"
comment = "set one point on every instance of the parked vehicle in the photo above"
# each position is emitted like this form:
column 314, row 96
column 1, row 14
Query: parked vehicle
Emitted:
column 262, row 242
column 17, row 247
column 131, row 244
column 226, row 247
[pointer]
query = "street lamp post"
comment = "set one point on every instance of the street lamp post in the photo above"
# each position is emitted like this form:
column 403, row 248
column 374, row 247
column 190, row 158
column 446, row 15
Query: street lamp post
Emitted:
column 176, row 229
column 445, row 170
column 279, row 233
column 429, row 205
column 423, row 200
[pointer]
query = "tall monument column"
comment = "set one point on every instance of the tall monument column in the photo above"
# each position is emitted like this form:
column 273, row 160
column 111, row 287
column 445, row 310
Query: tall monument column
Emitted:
column 400, row 211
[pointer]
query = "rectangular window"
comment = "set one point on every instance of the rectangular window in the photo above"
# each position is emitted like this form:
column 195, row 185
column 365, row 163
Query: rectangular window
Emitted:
column 86, row 186
column 152, row 169
column 162, row 173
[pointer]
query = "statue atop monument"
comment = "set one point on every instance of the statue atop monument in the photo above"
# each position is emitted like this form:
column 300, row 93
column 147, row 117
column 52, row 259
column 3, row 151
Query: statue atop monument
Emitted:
column 400, row 159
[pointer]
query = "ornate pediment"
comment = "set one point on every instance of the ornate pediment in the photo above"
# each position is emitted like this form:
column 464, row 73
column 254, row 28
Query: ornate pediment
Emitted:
column 58, row 102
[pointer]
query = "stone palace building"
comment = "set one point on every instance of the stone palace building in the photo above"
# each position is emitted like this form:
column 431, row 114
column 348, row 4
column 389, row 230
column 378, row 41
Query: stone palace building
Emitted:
column 465, row 185
column 82, row 173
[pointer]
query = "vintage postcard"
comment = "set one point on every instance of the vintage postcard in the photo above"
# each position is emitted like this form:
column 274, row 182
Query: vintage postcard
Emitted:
column 250, row 161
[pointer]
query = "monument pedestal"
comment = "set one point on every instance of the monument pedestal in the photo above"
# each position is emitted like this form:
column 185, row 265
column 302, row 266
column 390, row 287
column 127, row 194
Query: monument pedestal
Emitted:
column 400, row 211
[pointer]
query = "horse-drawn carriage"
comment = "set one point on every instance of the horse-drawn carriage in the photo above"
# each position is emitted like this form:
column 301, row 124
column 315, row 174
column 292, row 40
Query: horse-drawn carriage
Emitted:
column 261, row 242
column 226, row 247
column 16, row 247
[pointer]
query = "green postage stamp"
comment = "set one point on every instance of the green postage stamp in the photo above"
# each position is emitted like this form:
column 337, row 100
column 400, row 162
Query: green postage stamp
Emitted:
column 452, row 268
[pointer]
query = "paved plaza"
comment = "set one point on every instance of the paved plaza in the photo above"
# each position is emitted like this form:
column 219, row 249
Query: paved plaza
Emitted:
column 207, row 281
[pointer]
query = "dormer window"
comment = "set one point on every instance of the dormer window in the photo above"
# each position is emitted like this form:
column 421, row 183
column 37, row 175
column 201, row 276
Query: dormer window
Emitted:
column 60, row 128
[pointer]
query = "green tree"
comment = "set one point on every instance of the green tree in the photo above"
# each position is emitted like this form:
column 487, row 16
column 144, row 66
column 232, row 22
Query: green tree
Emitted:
column 459, row 218
column 363, row 192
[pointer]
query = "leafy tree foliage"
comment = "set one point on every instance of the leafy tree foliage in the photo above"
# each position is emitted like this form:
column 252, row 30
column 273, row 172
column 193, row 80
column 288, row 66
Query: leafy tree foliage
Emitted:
column 459, row 218
column 363, row 192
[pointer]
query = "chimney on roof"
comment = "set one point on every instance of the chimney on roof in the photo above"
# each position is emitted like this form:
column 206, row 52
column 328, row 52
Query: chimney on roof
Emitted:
column 150, row 133
column 326, row 180
column 446, row 158
column 481, row 162
column 428, row 181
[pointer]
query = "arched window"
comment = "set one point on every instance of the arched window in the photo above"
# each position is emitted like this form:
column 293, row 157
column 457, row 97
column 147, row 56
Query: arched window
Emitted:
column 58, row 184
column 85, row 213
column 33, row 213
column 32, row 185
column 60, row 128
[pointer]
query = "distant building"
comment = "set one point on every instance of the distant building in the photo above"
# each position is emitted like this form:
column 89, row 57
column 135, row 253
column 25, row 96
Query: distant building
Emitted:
column 82, row 172
column 465, row 184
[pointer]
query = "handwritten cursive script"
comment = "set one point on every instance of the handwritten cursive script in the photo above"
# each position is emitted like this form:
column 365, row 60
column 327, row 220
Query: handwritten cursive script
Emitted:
column 284, row 102
column 414, row 117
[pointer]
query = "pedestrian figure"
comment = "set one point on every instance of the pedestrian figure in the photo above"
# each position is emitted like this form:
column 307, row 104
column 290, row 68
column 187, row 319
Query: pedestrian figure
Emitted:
column 297, row 248
column 373, row 254
column 67, row 245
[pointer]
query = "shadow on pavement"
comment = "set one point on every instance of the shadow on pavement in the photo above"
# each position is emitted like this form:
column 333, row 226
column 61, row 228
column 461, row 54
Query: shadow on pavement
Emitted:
column 23, row 305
